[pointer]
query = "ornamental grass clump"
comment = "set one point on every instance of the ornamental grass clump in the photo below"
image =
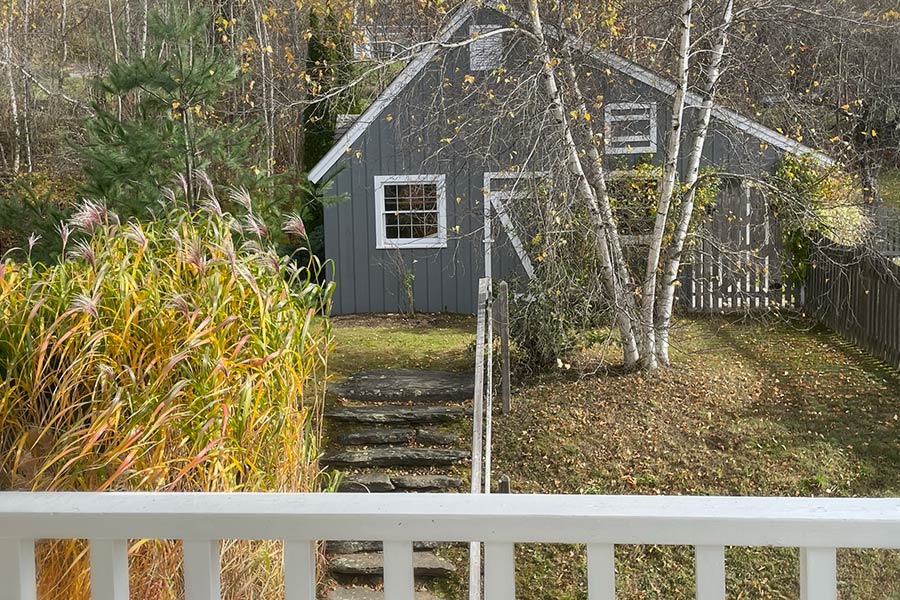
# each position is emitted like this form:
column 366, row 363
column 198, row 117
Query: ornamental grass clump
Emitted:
column 177, row 355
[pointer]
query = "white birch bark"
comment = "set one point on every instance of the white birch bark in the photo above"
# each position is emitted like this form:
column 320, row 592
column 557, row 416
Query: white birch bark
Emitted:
column 26, row 89
column 267, row 82
column 63, row 16
column 673, row 263
column 145, row 17
column 597, row 178
column 667, row 187
column 608, row 277
column 115, row 44
column 13, row 101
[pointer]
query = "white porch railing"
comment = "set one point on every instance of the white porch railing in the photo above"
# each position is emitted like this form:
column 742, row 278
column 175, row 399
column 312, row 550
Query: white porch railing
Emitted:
column 817, row 526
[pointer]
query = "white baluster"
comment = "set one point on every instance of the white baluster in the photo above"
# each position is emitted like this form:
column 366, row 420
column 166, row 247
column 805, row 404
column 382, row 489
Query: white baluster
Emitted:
column 818, row 574
column 109, row 569
column 202, row 576
column 601, row 571
column 399, row 580
column 18, row 580
column 300, row 570
column 499, row 571
column 710, row 572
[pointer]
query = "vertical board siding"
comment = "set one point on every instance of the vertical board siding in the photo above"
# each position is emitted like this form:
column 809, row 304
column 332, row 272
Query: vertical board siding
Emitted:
column 857, row 294
column 370, row 280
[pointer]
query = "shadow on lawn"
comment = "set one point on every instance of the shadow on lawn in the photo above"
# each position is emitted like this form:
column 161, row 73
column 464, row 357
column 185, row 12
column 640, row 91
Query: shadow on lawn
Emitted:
column 823, row 388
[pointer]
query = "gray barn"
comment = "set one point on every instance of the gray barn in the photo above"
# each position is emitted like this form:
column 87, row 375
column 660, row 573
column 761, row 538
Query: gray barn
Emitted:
column 423, row 174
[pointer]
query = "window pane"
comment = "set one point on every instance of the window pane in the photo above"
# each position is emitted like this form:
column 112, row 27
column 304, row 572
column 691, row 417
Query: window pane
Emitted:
column 410, row 211
column 390, row 198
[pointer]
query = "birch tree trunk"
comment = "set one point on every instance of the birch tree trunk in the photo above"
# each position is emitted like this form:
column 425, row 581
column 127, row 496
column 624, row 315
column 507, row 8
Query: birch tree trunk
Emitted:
column 13, row 101
column 115, row 45
column 597, row 178
column 669, row 177
column 145, row 17
column 27, row 95
column 608, row 277
column 63, row 34
column 267, row 82
column 673, row 263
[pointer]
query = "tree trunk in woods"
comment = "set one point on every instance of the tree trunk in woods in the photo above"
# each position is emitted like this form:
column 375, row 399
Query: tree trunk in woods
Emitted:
column 13, row 101
column 115, row 47
column 301, row 57
column 26, row 84
column 145, row 17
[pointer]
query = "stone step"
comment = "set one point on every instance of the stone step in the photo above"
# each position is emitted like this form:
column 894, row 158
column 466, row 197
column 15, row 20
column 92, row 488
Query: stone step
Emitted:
column 426, row 483
column 367, row 564
column 382, row 482
column 397, row 414
column 376, row 437
column 395, row 457
column 355, row 547
column 406, row 385
column 369, row 482
column 364, row 593
column 436, row 437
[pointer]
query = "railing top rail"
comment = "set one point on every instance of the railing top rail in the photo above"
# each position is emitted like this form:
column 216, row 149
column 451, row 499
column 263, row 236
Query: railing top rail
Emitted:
column 682, row 520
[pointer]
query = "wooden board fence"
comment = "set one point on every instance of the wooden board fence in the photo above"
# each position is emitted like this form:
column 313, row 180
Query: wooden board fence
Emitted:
column 857, row 294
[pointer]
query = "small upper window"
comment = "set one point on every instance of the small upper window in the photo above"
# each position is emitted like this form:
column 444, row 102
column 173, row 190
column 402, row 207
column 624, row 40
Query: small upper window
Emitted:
column 630, row 128
column 485, row 51
column 410, row 211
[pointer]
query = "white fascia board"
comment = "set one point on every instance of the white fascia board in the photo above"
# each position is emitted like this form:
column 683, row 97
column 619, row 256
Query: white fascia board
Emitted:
column 406, row 76
column 639, row 73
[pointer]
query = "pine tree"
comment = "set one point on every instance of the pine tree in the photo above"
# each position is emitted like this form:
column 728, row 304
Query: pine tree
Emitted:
column 173, row 126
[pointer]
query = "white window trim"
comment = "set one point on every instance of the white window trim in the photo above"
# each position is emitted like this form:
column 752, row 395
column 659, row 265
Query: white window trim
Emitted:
column 652, row 137
column 382, row 241
column 495, row 39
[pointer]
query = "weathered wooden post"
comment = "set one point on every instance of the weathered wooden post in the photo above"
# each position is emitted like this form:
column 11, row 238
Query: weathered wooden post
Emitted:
column 503, row 485
column 503, row 313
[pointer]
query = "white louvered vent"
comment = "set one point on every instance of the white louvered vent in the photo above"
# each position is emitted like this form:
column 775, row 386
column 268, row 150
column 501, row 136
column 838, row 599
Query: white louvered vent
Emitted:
column 630, row 128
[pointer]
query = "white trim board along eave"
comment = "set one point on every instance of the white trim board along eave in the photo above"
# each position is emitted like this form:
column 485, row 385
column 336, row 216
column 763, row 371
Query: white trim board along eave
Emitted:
column 623, row 65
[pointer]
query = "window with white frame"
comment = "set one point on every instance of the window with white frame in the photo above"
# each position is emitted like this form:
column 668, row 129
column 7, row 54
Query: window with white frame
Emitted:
column 630, row 128
column 485, row 51
column 411, row 211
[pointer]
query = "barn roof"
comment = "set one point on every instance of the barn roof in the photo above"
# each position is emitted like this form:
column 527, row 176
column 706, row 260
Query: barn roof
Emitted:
column 613, row 61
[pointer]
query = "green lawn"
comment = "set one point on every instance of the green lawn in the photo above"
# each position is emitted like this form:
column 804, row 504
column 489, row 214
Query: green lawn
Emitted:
column 752, row 408
column 425, row 341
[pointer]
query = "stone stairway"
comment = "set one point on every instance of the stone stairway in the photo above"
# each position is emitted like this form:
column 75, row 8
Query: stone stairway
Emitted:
column 395, row 430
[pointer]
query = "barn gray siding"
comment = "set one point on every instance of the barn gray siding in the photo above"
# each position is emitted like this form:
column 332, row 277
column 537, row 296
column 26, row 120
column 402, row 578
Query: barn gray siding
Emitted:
column 370, row 280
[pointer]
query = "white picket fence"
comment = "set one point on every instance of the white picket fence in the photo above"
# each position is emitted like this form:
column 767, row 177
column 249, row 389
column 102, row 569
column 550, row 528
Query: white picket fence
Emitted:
column 108, row 521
